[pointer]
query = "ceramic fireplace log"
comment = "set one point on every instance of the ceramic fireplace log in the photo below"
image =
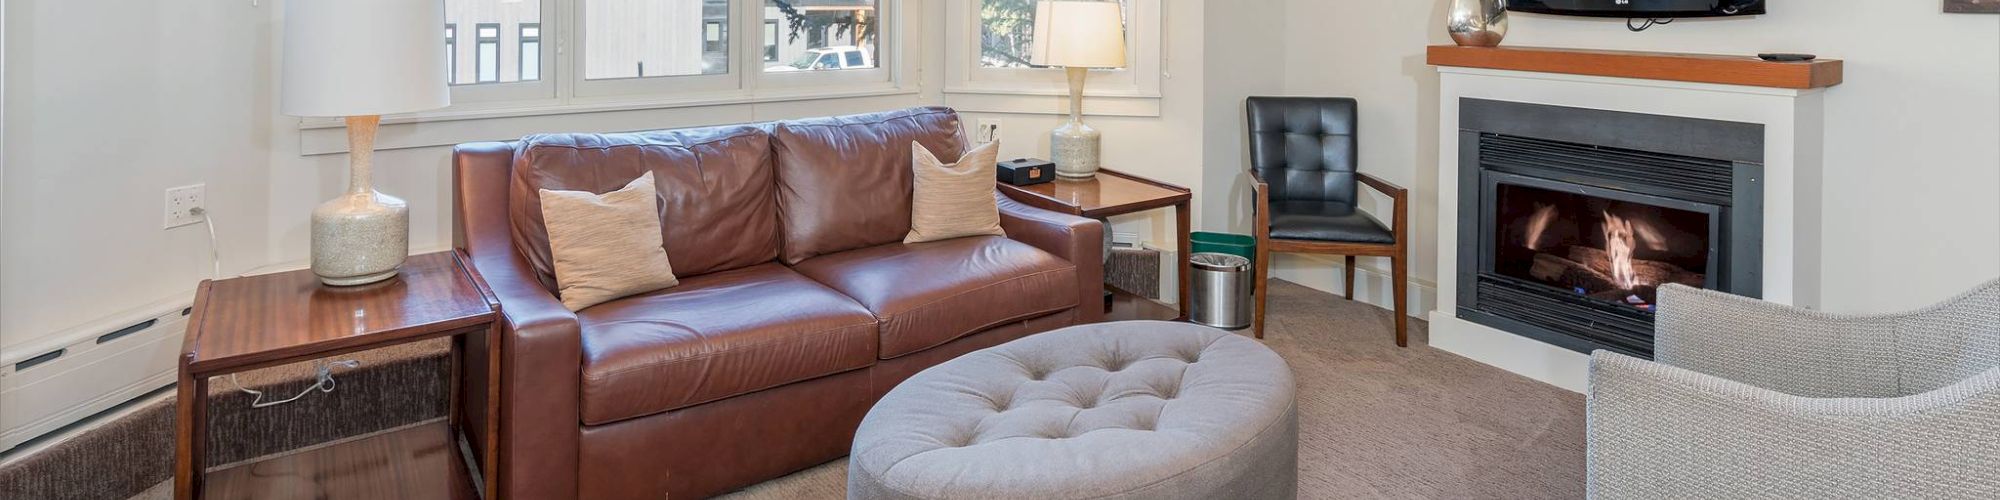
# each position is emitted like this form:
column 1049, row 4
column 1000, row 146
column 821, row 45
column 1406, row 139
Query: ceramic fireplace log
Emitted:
column 1650, row 272
column 1589, row 269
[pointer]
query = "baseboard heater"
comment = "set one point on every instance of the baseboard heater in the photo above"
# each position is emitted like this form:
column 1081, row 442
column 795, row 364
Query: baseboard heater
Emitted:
column 46, row 386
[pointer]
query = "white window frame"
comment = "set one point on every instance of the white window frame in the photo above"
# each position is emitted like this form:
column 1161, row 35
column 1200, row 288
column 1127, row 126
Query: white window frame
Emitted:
column 562, row 89
column 1130, row 91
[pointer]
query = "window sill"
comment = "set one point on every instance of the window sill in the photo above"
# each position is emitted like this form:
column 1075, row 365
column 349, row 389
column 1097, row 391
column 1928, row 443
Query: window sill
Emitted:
column 1052, row 101
column 320, row 136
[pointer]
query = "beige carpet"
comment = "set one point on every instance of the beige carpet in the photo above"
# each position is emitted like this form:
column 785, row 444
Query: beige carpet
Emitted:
column 1376, row 421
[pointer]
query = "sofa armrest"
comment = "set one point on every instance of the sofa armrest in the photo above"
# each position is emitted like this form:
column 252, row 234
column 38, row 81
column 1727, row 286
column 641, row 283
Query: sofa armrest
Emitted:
column 1079, row 240
column 1658, row 431
column 540, row 340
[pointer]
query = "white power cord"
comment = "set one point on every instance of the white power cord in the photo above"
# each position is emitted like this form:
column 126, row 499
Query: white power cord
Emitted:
column 323, row 380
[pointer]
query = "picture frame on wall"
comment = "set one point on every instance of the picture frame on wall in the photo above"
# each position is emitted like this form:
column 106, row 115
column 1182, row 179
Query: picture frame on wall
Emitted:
column 1972, row 6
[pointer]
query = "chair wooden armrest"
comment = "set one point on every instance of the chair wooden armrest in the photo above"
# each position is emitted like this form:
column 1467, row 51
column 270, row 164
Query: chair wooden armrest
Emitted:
column 1402, row 199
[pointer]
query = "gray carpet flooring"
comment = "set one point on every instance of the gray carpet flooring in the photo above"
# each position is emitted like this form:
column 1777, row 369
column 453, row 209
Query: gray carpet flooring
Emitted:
column 1376, row 421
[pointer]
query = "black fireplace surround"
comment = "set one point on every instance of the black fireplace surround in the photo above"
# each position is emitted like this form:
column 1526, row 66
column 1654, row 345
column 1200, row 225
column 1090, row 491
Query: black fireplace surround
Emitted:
column 1570, row 219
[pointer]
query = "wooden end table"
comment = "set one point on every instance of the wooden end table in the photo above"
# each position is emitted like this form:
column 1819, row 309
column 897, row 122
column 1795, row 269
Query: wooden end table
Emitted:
column 242, row 324
column 1117, row 193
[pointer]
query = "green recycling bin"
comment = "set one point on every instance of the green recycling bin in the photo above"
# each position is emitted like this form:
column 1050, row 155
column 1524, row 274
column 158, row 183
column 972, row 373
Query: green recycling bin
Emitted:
column 1233, row 244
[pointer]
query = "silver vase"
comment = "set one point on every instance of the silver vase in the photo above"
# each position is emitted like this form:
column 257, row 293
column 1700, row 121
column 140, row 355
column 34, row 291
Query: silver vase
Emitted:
column 1477, row 23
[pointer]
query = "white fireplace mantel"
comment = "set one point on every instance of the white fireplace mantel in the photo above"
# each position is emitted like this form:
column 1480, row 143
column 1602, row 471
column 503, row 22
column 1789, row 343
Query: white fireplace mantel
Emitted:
column 1793, row 121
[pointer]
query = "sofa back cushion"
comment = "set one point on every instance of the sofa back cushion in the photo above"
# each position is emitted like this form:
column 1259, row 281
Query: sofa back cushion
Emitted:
column 844, row 181
column 715, row 187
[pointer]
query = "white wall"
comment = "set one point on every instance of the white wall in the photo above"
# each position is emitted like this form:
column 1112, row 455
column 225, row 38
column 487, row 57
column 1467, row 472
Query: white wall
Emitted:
column 1249, row 59
column 108, row 106
column 1912, row 139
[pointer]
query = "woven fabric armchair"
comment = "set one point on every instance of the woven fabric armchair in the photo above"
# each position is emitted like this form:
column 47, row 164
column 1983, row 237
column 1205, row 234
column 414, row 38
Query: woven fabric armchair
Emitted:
column 1750, row 399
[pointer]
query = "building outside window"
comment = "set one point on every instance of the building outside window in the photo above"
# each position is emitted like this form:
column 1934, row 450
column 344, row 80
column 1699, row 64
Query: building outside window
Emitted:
column 642, row 38
column 711, row 36
column 531, row 52
column 494, row 56
column 488, row 54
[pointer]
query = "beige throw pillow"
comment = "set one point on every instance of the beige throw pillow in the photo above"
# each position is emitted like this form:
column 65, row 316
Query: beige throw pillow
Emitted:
column 606, row 246
column 953, row 200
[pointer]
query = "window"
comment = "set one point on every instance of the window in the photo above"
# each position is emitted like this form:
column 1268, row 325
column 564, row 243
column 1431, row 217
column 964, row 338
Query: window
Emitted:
column 488, row 62
column 987, row 66
column 498, row 64
column 643, row 39
column 549, row 56
column 450, row 53
column 1007, row 31
column 531, row 52
column 822, row 35
column 770, row 41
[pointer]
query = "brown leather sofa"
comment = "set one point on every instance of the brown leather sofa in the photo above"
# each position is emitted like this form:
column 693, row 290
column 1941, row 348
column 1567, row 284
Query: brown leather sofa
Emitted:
column 798, row 305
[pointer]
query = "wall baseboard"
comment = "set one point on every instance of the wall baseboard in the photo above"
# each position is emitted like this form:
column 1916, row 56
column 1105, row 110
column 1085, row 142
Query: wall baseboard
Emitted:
column 1371, row 286
column 1524, row 356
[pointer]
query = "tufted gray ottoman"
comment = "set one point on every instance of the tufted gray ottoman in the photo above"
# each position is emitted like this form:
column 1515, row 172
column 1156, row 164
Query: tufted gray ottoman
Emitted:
column 1141, row 409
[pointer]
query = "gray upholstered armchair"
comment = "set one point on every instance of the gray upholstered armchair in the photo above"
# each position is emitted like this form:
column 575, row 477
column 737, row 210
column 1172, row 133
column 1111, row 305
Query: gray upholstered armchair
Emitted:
column 1751, row 399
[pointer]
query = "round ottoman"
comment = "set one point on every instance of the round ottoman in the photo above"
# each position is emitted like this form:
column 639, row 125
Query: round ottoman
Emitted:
column 1141, row 409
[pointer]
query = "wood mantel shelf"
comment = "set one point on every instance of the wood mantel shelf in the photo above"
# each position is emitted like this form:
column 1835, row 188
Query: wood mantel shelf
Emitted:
column 1698, row 68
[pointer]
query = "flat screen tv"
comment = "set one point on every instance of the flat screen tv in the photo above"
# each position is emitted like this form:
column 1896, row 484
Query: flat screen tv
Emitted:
column 1648, row 9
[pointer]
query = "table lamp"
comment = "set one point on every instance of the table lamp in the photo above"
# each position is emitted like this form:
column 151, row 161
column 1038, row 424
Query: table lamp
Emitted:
column 1077, row 35
column 359, row 60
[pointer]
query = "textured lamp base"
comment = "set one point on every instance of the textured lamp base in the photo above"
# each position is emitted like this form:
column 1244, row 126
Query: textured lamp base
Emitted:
column 360, row 238
column 1075, row 147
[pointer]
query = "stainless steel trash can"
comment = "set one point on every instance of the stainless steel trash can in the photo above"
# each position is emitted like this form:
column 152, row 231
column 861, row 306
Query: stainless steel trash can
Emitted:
column 1221, row 290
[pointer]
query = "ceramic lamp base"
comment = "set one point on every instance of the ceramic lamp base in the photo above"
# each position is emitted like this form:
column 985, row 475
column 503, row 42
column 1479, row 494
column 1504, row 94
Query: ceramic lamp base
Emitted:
column 1074, row 148
column 360, row 238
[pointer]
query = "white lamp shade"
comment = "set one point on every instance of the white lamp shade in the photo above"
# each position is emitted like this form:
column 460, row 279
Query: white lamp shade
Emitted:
column 363, row 57
column 1079, row 34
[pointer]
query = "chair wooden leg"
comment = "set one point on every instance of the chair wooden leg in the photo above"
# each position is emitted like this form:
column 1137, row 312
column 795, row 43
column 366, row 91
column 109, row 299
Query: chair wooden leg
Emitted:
column 1261, row 272
column 1401, row 264
column 1349, row 276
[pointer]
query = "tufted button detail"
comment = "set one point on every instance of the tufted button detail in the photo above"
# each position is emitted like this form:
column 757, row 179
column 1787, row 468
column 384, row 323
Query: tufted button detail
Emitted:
column 1111, row 386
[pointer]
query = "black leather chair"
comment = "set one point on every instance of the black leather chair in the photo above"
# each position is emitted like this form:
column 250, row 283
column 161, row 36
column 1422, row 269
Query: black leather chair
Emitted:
column 1302, row 153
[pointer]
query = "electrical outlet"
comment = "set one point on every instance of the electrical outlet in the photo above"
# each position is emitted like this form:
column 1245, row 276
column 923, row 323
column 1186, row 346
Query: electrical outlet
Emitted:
column 182, row 202
column 988, row 130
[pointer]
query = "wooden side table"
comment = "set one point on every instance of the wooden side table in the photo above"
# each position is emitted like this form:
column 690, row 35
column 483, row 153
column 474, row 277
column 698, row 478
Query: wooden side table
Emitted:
column 242, row 324
column 1117, row 193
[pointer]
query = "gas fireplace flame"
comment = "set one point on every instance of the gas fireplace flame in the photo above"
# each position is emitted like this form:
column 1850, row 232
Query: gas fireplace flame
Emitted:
column 1619, row 240
column 1538, row 224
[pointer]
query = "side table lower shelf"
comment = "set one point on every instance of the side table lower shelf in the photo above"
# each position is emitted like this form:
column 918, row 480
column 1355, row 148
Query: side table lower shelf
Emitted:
column 421, row 461
column 1128, row 306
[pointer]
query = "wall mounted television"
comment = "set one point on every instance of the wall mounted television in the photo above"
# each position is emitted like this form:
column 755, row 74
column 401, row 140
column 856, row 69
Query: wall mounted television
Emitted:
column 1647, row 9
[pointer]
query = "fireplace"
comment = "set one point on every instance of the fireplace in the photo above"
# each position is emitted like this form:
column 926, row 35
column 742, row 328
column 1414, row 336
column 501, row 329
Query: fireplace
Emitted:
column 1571, row 219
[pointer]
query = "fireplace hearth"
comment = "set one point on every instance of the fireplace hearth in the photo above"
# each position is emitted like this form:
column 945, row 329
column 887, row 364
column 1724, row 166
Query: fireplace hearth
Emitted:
column 1571, row 219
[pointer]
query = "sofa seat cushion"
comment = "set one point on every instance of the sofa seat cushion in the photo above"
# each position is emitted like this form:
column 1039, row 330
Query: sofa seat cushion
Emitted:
column 927, row 294
column 715, row 336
